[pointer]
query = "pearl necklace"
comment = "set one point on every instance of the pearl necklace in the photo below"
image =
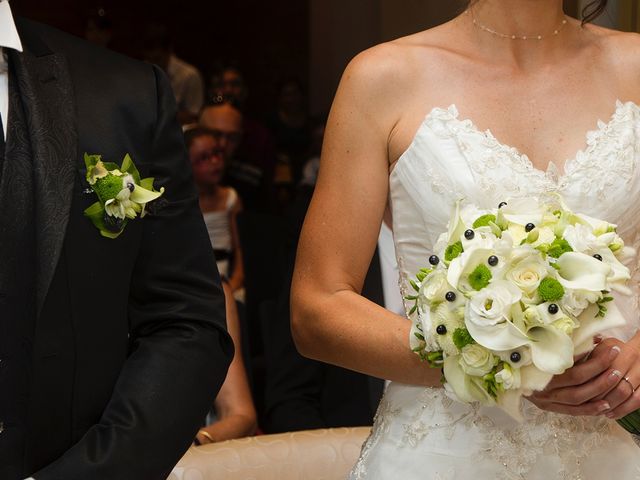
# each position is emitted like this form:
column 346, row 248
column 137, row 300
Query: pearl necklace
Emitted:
column 511, row 36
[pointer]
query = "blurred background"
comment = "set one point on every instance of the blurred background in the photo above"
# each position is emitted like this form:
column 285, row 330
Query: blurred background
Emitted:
column 308, row 39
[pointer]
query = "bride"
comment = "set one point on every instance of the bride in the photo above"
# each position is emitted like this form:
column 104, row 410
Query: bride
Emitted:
column 408, row 136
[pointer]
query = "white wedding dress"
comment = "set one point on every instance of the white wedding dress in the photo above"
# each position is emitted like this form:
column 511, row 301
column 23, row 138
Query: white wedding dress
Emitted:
column 420, row 433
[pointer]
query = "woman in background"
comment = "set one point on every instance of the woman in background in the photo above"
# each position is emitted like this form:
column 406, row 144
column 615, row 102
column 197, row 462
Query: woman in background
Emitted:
column 234, row 412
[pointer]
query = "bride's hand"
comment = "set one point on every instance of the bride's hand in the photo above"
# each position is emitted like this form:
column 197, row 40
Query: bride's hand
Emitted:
column 600, row 383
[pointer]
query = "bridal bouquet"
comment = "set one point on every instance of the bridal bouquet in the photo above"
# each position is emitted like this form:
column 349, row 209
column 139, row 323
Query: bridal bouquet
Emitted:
column 512, row 294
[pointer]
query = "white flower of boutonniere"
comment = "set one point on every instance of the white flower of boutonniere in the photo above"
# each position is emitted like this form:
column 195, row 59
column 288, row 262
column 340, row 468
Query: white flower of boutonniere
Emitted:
column 122, row 194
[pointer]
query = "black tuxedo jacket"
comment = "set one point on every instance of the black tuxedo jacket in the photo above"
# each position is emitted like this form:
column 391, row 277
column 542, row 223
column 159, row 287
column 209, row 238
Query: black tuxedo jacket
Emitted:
column 129, row 344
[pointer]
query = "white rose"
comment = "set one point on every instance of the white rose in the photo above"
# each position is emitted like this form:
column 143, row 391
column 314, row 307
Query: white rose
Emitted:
column 509, row 377
column 527, row 275
column 492, row 304
column 476, row 360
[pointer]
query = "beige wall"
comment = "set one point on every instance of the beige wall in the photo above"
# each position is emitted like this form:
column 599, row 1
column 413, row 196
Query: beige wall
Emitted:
column 339, row 29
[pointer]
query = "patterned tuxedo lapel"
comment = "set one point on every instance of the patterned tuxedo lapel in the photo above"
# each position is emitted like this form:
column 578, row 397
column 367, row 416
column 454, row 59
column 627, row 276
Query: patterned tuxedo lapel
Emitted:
column 49, row 105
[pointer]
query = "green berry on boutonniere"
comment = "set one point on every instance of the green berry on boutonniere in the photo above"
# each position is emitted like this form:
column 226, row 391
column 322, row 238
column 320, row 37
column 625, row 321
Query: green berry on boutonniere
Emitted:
column 122, row 194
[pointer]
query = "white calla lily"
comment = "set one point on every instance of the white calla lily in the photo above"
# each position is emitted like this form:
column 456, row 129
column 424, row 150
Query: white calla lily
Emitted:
column 142, row 195
column 532, row 379
column 523, row 211
column 577, row 271
column 619, row 275
column 503, row 336
column 591, row 324
column 551, row 349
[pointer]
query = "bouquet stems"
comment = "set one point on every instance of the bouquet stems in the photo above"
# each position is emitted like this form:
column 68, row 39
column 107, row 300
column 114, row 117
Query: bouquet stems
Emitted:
column 631, row 423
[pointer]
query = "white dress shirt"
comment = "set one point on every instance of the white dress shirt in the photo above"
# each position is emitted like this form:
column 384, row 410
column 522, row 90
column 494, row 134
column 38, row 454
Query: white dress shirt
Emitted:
column 9, row 38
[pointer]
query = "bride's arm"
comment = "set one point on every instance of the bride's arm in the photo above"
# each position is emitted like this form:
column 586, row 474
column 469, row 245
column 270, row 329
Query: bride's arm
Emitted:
column 331, row 321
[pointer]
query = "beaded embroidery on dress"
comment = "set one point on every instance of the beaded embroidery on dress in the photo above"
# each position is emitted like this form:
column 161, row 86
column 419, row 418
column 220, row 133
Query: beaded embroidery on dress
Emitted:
column 420, row 433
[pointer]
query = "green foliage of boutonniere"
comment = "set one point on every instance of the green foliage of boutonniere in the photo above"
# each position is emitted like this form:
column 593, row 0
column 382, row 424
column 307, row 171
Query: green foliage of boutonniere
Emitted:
column 122, row 194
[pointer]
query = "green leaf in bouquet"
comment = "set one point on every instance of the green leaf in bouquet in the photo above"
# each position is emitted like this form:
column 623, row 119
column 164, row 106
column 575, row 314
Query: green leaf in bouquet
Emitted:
column 435, row 359
column 414, row 285
column 453, row 251
column 96, row 214
column 558, row 247
column 484, row 220
column 480, row 277
column 631, row 422
column 602, row 309
column 129, row 167
column 550, row 290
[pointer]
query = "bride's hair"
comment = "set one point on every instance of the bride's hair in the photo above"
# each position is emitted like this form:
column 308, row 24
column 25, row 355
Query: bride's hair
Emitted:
column 590, row 12
column 593, row 10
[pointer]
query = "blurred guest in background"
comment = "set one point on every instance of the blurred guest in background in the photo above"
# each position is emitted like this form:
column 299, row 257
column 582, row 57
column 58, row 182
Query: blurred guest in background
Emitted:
column 186, row 80
column 220, row 204
column 257, row 148
column 99, row 29
column 233, row 415
column 290, row 126
column 251, row 178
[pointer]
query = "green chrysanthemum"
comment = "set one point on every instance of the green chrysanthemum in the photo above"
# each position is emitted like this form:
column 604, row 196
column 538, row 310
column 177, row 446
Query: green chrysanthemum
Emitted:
column 453, row 251
column 462, row 338
column 550, row 290
column 558, row 247
column 484, row 220
column 480, row 277
column 108, row 187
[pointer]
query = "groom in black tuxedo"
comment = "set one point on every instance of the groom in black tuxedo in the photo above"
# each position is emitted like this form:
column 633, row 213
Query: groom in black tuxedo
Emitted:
column 111, row 351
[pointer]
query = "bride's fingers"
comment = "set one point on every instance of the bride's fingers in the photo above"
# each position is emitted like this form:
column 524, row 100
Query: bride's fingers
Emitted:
column 576, row 395
column 583, row 372
column 630, row 405
column 625, row 388
column 586, row 409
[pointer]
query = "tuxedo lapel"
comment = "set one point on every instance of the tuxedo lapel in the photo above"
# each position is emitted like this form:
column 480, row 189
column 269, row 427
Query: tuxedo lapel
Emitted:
column 47, row 95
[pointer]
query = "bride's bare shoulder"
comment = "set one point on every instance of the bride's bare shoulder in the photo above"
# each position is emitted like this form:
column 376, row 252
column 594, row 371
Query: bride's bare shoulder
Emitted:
column 402, row 62
column 621, row 48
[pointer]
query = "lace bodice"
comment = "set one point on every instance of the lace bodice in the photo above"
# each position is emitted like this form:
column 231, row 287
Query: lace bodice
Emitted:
column 451, row 159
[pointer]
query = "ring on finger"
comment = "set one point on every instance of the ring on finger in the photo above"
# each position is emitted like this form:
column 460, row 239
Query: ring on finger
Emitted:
column 626, row 379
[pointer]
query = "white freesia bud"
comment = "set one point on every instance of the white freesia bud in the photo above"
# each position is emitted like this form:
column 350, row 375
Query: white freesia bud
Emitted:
column 565, row 324
column 434, row 287
column 545, row 235
column 476, row 360
column 532, row 316
column 509, row 377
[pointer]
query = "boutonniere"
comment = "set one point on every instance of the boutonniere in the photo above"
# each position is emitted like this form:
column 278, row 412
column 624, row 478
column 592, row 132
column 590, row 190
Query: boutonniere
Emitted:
column 122, row 194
